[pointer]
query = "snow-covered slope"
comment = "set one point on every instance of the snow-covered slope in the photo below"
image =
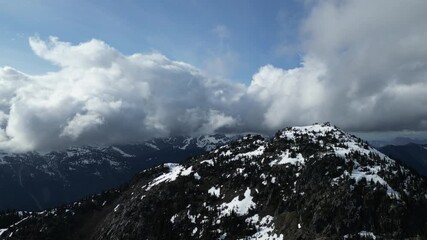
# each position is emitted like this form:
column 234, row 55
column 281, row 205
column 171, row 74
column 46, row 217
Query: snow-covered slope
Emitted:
column 313, row 182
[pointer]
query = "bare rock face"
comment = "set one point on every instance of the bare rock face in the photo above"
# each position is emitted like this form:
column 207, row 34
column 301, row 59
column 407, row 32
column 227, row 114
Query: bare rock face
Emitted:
column 313, row 182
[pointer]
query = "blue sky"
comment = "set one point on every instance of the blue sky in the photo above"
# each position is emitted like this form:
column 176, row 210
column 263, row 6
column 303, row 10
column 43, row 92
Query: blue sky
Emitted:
column 229, row 39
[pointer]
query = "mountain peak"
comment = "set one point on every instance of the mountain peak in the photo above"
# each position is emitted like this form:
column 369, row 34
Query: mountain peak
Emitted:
column 314, row 129
column 305, row 183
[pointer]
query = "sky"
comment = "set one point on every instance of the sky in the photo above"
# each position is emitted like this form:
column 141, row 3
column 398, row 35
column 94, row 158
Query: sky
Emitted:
column 91, row 72
column 229, row 39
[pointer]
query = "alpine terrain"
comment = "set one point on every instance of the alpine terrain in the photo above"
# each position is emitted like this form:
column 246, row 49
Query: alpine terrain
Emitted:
column 412, row 155
column 36, row 181
column 313, row 182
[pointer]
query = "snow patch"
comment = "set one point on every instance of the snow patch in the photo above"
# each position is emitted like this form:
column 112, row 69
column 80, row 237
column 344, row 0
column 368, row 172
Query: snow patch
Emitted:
column 122, row 152
column 286, row 158
column 194, row 231
column 240, row 207
column 209, row 143
column 186, row 142
column 214, row 191
column 255, row 153
column 318, row 129
column 352, row 146
column 192, row 218
column 371, row 175
column 117, row 208
column 210, row 162
column 367, row 234
column 22, row 220
column 173, row 218
column 264, row 227
column 151, row 146
column 187, row 171
column 258, row 152
column 228, row 153
column 174, row 171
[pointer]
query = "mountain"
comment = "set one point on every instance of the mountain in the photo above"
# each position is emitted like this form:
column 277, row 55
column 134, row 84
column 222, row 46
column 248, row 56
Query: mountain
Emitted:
column 36, row 181
column 397, row 141
column 313, row 182
column 412, row 155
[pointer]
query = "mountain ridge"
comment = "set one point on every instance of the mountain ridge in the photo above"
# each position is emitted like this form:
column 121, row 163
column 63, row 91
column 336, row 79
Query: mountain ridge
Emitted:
column 412, row 155
column 313, row 182
column 36, row 181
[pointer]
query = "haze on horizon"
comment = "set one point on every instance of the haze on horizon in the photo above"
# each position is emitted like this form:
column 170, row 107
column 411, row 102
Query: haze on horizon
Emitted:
column 85, row 73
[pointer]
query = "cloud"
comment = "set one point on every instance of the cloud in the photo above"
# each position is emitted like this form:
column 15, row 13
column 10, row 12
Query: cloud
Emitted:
column 94, row 53
column 376, row 61
column 221, row 60
column 289, row 96
column 100, row 96
column 364, row 68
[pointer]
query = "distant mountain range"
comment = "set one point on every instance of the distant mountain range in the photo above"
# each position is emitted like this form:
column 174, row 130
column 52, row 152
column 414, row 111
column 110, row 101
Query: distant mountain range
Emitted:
column 412, row 155
column 36, row 181
column 313, row 182
column 397, row 141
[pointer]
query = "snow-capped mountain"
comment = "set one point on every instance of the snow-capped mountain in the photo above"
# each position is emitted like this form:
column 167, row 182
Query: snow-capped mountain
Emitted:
column 35, row 181
column 313, row 182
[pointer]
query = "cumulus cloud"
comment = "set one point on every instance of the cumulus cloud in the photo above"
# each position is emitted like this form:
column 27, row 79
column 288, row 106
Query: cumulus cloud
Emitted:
column 289, row 96
column 376, row 61
column 100, row 96
column 364, row 68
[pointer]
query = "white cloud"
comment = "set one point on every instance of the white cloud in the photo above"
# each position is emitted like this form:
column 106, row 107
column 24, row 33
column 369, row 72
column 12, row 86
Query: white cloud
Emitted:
column 102, row 96
column 364, row 68
column 81, row 123
column 294, row 96
column 94, row 53
column 373, row 51
column 221, row 63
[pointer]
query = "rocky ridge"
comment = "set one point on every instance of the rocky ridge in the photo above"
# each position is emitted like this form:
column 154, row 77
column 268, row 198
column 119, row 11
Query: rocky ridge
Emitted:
column 313, row 182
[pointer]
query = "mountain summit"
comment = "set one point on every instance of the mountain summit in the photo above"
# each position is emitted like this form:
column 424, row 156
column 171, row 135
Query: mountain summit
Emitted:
column 312, row 182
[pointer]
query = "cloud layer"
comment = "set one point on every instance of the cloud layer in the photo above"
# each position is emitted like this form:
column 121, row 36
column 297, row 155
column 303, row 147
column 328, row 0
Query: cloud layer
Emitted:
column 376, row 61
column 100, row 96
column 364, row 68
